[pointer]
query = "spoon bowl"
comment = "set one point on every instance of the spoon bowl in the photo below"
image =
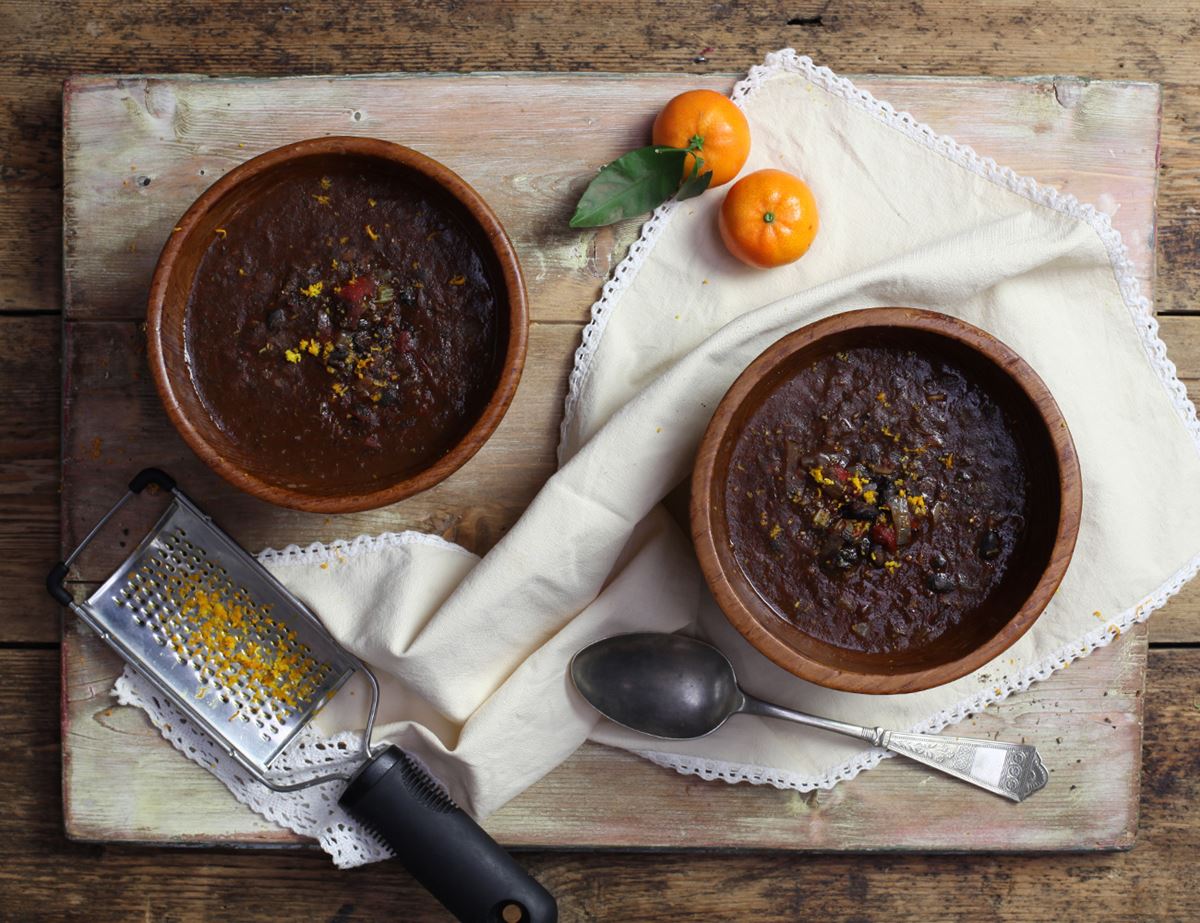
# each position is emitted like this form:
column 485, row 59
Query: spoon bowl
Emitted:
column 666, row 686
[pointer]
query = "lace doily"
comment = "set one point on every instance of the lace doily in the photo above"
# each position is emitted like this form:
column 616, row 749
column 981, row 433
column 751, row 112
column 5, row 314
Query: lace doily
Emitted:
column 314, row 812
column 311, row 812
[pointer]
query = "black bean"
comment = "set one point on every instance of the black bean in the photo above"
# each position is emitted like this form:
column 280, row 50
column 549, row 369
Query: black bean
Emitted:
column 838, row 553
column 885, row 491
column 846, row 558
column 940, row 583
column 857, row 509
column 989, row 544
column 831, row 546
column 937, row 561
column 275, row 319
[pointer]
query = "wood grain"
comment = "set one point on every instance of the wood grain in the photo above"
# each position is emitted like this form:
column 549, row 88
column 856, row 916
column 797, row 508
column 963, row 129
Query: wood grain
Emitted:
column 29, row 438
column 44, row 877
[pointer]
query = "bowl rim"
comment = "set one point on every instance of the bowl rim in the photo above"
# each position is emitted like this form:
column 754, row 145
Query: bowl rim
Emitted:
column 717, row 563
column 511, row 366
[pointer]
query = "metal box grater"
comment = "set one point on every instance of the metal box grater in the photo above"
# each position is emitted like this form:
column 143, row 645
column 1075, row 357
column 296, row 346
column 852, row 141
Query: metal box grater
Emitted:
column 238, row 654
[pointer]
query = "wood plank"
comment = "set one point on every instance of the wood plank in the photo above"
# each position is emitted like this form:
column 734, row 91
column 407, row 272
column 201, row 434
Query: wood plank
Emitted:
column 1084, row 722
column 30, row 195
column 1155, row 880
column 1179, row 200
column 134, row 145
column 1182, row 336
column 137, row 151
column 1178, row 622
column 939, row 36
column 29, row 475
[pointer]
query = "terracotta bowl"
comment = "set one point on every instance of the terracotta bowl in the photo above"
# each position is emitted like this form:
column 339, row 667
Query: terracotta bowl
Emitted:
column 172, row 284
column 1033, row 574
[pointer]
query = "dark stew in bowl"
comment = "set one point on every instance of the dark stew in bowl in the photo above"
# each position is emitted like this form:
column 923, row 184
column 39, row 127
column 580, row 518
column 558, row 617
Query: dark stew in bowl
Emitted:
column 876, row 497
column 344, row 327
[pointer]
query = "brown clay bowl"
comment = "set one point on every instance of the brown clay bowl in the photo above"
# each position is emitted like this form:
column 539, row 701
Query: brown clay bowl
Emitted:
column 1033, row 574
column 172, row 284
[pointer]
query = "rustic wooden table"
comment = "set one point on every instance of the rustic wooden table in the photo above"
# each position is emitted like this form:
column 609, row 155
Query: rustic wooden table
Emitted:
column 44, row 876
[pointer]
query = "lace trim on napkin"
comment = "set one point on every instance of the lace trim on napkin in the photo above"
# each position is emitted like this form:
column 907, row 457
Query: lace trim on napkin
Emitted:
column 1140, row 310
column 311, row 812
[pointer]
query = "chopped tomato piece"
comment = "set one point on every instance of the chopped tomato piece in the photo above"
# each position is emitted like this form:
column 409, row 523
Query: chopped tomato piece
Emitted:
column 357, row 289
column 884, row 535
column 841, row 474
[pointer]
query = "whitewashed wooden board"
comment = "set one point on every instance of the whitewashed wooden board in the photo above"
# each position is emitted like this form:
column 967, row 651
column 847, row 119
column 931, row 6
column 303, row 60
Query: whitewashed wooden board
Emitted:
column 137, row 150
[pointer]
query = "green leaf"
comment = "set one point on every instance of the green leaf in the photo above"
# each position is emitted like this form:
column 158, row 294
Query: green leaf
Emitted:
column 631, row 185
column 693, row 186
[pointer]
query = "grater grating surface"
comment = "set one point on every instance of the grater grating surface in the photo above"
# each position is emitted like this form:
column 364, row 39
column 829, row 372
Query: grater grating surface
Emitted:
column 216, row 632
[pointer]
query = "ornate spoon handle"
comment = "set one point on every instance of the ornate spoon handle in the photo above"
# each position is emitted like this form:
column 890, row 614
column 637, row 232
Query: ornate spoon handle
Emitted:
column 1012, row 770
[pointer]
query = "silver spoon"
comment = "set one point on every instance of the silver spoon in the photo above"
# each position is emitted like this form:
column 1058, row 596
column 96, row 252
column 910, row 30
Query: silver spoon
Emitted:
column 678, row 688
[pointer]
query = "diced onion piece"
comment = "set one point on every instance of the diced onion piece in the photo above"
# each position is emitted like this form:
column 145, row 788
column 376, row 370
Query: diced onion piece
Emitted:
column 793, row 468
column 901, row 519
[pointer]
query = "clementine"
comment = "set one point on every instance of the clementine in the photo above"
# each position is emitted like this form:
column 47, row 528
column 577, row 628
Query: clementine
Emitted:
column 769, row 218
column 712, row 126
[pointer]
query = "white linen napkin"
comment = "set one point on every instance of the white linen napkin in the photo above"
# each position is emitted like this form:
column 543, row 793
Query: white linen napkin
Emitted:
column 475, row 650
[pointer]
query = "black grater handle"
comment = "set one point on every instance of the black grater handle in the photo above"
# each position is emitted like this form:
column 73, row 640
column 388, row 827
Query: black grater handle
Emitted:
column 441, row 846
column 148, row 476
column 56, row 583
